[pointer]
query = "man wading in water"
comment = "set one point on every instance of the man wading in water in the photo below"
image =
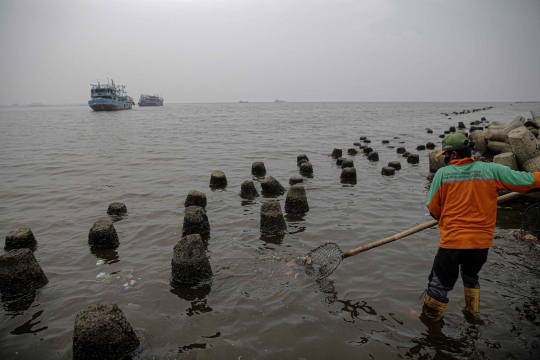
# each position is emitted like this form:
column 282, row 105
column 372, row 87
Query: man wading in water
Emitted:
column 463, row 198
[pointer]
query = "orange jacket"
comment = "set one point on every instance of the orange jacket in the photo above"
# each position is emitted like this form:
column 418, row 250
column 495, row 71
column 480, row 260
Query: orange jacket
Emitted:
column 463, row 198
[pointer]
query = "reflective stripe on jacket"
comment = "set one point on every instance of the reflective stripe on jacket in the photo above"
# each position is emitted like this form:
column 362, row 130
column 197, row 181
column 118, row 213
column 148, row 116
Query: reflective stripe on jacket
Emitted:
column 463, row 197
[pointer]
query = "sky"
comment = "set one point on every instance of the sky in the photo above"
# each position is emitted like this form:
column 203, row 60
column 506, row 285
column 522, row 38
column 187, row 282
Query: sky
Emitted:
column 203, row 51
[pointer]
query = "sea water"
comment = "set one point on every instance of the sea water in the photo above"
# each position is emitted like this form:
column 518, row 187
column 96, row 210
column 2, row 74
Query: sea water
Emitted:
column 62, row 166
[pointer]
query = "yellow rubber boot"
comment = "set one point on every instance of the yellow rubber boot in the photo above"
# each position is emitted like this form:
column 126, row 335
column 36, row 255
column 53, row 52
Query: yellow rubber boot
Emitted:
column 433, row 309
column 472, row 299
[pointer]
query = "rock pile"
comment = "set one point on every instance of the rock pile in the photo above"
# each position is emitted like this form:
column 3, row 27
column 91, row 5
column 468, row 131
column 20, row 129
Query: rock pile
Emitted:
column 515, row 145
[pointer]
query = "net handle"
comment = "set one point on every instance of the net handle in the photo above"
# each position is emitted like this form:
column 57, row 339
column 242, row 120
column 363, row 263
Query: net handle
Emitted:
column 411, row 231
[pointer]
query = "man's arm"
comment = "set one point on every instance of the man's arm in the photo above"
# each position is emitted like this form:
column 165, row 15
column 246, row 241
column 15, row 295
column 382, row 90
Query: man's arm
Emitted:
column 518, row 181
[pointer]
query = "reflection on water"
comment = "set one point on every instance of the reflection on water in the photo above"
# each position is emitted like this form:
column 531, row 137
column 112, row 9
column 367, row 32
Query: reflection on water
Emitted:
column 18, row 305
column 110, row 256
column 196, row 294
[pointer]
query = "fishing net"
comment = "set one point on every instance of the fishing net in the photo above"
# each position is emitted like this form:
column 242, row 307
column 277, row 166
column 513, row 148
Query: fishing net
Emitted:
column 530, row 224
column 322, row 261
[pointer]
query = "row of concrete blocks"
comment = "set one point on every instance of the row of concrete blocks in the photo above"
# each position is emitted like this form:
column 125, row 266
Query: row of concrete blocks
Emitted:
column 348, row 172
column 18, row 275
column 463, row 112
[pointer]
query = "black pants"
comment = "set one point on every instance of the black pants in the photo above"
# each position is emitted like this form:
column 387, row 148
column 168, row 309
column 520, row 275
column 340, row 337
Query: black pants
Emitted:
column 447, row 266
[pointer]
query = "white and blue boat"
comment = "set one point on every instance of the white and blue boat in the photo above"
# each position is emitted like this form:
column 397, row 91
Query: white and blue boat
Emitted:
column 109, row 97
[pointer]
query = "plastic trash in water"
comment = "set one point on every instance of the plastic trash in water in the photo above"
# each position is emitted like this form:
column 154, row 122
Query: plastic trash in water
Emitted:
column 100, row 275
column 127, row 288
column 126, row 284
column 280, row 302
column 132, row 282
column 106, row 278
column 100, row 262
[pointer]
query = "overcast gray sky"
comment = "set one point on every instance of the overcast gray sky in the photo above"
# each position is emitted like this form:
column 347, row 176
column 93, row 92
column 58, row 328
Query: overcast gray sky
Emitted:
column 262, row 50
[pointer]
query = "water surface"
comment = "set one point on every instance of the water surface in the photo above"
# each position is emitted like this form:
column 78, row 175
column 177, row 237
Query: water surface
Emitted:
column 62, row 167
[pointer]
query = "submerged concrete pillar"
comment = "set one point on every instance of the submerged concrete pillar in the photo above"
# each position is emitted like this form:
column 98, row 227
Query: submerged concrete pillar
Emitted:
column 413, row 159
column 272, row 220
column 296, row 201
column 395, row 164
column 388, row 171
column 337, row 153
column 373, row 156
column 103, row 235
column 117, row 208
column 301, row 157
column 218, row 179
column 20, row 238
column 195, row 221
column 306, row 169
column 195, row 198
column 248, row 190
column 102, row 332
column 347, row 163
column 367, row 150
column 190, row 264
column 295, row 180
column 258, row 169
column 348, row 175
column 270, row 186
column 20, row 273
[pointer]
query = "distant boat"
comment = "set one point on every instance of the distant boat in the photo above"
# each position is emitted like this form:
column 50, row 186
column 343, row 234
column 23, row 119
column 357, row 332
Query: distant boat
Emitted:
column 109, row 97
column 150, row 100
column 279, row 100
column 243, row 102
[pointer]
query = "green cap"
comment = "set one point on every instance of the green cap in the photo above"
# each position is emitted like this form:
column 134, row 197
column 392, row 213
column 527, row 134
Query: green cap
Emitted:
column 453, row 142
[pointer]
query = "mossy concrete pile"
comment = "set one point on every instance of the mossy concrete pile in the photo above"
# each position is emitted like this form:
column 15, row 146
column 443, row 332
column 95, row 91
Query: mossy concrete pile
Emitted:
column 103, row 332
column 190, row 264
column 103, row 235
column 20, row 238
column 20, row 273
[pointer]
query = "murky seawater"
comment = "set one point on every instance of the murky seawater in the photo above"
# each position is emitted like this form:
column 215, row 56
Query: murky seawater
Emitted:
column 62, row 167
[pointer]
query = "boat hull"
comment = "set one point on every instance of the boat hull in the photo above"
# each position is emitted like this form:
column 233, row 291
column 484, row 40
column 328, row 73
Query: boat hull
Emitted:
column 109, row 105
column 150, row 104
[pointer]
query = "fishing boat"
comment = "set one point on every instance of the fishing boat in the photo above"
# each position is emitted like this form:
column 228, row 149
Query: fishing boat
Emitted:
column 109, row 97
column 150, row 100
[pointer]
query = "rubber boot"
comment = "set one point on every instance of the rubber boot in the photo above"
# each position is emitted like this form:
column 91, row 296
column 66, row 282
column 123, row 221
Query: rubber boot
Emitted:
column 433, row 309
column 472, row 299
